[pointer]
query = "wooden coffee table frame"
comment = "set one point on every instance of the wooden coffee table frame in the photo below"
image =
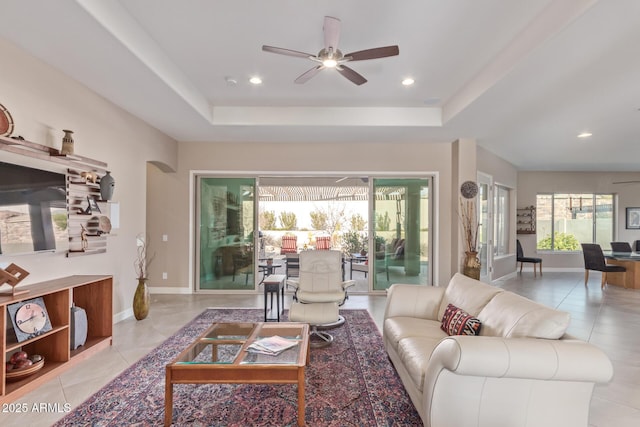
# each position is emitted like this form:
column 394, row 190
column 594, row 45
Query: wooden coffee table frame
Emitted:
column 179, row 372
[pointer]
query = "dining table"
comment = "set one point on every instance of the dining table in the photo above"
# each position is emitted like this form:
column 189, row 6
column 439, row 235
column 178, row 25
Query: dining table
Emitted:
column 628, row 260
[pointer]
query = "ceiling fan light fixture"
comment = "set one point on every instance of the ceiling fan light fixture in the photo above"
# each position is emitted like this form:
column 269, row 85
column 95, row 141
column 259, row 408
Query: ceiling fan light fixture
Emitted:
column 331, row 57
column 330, row 63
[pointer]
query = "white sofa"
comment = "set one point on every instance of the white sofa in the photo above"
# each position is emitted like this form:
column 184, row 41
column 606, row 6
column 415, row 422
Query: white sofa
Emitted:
column 521, row 370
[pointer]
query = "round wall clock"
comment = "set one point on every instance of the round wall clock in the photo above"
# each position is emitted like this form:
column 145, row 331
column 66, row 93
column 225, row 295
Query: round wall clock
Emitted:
column 469, row 189
column 29, row 318
column 6, row 121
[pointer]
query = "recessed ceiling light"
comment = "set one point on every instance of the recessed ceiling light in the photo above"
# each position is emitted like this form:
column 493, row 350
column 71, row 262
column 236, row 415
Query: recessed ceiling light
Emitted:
column 584, row 135
column 255, row 80
column 408, row 81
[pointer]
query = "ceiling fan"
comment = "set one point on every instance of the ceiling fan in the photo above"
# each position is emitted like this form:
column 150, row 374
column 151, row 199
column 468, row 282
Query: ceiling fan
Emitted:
column 331, row 57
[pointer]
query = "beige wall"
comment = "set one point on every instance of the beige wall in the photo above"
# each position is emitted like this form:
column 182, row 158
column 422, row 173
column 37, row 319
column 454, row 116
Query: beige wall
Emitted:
column 42, row 102
column 532, row 183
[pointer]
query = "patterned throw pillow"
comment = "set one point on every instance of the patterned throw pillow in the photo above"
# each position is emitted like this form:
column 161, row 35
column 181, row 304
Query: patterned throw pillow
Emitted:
column 458, row 322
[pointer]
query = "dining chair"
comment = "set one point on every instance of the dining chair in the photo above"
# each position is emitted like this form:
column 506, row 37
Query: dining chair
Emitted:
column 522, row 259
column 594, row 260
column 620, row 247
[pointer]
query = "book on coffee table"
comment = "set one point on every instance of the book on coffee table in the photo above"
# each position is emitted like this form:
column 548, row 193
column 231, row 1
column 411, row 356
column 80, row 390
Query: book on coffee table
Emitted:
column 273, row 345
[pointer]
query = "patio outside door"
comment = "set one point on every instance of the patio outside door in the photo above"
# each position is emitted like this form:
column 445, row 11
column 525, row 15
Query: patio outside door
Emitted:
column 225, row 221
column 401, row 215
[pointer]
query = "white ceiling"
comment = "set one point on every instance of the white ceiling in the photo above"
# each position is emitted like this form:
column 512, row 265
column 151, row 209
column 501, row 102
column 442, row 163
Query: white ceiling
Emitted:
column 522, row 77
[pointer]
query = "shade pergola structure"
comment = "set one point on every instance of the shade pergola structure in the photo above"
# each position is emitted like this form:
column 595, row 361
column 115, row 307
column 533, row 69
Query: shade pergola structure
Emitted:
column 311, row 193
column 315, row 193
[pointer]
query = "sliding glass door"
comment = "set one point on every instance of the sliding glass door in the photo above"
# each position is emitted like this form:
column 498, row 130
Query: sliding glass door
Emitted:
column 401, row 215
column 225, row 220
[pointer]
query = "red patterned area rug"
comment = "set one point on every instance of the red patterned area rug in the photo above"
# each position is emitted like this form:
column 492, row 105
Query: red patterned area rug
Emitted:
column 349, row 383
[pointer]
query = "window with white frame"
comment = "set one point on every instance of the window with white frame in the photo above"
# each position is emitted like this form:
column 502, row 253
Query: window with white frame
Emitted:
column 564, row 220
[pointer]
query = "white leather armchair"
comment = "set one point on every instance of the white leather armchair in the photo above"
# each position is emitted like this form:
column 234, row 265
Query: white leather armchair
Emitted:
column 319, row 292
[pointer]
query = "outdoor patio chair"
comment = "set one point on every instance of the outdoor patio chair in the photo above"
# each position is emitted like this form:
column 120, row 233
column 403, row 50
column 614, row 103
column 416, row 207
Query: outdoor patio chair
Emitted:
column 242, row 264
column 323, row 243
column 289, row 245
column 293, row 265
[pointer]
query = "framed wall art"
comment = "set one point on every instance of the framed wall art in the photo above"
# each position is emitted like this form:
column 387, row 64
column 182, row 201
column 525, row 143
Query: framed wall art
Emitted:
column 633, row 218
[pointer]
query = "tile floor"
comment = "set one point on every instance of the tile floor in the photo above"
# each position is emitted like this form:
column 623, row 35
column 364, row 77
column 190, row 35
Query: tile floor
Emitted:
column 607, row 319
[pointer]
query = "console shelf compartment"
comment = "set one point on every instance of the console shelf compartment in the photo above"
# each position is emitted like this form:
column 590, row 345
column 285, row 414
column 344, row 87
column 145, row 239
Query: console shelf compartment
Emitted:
column 91, row 292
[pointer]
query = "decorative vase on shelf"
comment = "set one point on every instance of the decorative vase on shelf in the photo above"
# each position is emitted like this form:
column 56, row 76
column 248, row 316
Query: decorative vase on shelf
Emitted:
column 471, row 267
column 141, row 300
column 107, row 185
column 67, row 143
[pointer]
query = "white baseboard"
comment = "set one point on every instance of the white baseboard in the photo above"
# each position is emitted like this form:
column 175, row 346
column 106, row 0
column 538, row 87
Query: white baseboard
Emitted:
column 119, row 317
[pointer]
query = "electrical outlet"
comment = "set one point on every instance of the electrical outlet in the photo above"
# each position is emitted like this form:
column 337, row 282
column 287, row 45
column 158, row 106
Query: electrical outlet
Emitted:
column 164, row 275
column 165, row 238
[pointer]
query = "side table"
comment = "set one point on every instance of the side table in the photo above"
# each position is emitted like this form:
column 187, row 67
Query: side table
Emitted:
column 274, row 284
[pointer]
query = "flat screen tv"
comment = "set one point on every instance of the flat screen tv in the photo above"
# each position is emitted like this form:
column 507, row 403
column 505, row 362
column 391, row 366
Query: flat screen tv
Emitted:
column 33, row 210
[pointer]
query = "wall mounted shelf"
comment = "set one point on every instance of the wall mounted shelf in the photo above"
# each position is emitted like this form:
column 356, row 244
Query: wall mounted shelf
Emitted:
column 78, row 190
column 39, row 151
column 526, row 220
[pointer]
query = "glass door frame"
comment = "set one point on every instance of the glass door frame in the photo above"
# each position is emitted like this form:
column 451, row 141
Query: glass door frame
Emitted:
column 194, row 200
column 485, row 218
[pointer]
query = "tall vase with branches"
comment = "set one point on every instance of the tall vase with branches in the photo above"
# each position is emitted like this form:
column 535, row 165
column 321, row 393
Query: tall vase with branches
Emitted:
column 470, row 228
column 141, row 298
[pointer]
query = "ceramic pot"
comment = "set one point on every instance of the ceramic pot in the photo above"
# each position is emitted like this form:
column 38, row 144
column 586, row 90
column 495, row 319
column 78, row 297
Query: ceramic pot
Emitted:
column 471, row 266
column 67, row 143
column 107, row 185
column 141, row 300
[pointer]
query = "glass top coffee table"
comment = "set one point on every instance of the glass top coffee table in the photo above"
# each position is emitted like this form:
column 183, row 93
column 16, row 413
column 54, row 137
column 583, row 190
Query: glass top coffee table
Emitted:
column 221, row 356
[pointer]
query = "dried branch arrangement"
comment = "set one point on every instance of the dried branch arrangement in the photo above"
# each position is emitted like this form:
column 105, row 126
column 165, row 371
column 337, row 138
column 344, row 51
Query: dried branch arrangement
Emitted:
column 470, row 225
column 143, row 259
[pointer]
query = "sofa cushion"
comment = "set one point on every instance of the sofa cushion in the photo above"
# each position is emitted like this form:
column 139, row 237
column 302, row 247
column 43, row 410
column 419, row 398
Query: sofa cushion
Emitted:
column 511, row 316
column 456, row 321
column 398, row 328
column 468, row 294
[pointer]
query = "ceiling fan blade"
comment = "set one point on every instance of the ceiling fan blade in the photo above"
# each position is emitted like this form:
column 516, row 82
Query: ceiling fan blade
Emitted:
column 303, row 78
column 287, row 52
column 378, row 52
column 331, row 30
column 351, row 75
